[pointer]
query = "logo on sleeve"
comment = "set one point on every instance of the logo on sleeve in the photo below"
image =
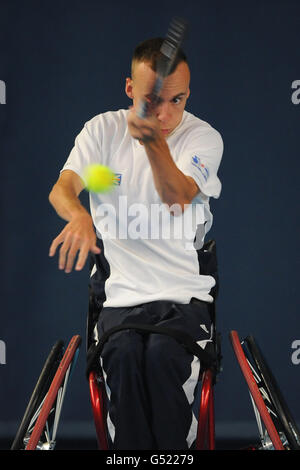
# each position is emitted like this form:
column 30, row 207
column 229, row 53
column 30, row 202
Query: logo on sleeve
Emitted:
column 200, row 166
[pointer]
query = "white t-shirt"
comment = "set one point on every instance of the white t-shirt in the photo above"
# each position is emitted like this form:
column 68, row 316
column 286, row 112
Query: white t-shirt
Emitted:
column 150, row 253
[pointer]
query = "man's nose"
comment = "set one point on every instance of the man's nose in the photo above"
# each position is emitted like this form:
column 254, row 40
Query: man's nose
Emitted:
column 163, row 112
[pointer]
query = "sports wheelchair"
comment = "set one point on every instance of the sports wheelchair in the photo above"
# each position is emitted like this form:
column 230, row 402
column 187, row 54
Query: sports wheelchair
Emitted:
column 276, row 425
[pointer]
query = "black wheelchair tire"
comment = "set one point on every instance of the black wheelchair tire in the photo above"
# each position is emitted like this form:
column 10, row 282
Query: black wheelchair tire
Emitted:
column 289, row 425
column 41, row 388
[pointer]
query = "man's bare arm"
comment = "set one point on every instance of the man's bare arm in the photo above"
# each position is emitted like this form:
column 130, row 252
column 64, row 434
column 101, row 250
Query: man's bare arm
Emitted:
column 172, row 185
column 78, row 236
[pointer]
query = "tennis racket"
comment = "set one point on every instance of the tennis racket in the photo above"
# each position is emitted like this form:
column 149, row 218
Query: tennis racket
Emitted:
column 168, row 53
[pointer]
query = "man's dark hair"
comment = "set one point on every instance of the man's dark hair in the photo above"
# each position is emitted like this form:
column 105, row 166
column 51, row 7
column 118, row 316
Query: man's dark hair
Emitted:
column 149, row 50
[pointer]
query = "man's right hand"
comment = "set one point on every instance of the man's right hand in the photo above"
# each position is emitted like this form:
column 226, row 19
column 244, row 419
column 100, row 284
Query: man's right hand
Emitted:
column 77, row 238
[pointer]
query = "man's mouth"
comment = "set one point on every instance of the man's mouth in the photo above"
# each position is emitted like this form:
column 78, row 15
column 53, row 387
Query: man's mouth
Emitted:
column 165, row 131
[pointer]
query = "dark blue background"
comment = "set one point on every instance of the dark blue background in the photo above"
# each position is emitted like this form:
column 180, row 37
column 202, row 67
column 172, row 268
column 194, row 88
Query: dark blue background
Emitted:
column 64, row 62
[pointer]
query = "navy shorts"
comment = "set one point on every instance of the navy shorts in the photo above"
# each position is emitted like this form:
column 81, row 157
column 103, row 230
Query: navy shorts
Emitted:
column 151, row 379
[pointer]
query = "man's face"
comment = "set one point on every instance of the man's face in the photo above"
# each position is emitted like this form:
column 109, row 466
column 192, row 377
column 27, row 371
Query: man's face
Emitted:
column 173, row 96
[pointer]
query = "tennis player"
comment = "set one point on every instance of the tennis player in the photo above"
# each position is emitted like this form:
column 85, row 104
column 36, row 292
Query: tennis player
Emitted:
column 166, row 166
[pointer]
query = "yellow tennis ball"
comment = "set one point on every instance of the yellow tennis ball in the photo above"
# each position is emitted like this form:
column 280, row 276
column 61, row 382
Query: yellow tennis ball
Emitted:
column 98, row 178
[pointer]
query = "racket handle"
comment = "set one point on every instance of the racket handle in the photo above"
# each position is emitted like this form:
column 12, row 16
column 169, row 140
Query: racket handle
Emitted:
column 143, row 109
column 144, row 105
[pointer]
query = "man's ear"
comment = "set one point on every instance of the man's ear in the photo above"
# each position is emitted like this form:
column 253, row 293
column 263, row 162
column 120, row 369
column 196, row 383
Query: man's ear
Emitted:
column 129, row 88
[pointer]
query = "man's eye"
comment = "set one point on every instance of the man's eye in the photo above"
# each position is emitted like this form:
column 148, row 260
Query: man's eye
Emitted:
column 154, row 100
column 176, row 100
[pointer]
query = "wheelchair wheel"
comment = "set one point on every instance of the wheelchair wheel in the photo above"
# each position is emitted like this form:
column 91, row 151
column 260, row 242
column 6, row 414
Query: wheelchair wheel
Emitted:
column 271, row 435
column 39, row 392
column 44, row 418
column 285, row 420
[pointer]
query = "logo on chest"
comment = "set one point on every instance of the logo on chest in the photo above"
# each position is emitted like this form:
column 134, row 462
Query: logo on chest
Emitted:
column 118, row 179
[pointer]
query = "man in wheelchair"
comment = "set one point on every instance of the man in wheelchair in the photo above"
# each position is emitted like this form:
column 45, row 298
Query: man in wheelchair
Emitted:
column 152, row 287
